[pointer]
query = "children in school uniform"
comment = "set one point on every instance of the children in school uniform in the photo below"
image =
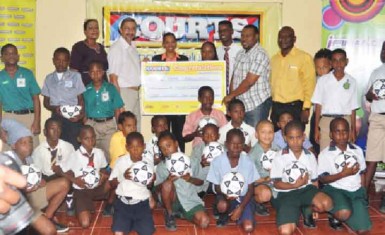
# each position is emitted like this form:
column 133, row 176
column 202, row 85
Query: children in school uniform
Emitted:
column 335, row 95
column 102, row 103
column 345, row 186
column 234, row 160
column 236, row 111
column 132, row 210
column 191, row 131
column 290, row 198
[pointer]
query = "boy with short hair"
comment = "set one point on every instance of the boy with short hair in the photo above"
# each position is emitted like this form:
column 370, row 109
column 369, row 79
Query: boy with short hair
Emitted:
column 279, row 139
column 335, row 95
column 302, row 193
column 86, row 155
column 19, row 93
column 159, row 124
column 345, row 187
column 46, row 195
column 191, row 131
column 126, row 125
column 132, row 210
column 178, row 194
column 102, row 103
column 234, row 160
column 236, row 110
column 64, row 87
column 263, row 187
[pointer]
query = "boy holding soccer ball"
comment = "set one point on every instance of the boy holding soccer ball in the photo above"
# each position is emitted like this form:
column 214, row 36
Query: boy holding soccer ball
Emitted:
column 159, row 124
column 341, row 168
column 132, row 210
column 262, row 154
column 44, row 195
column 178, row 194
column 234, row 160
column 86, row 190
column 294, row 173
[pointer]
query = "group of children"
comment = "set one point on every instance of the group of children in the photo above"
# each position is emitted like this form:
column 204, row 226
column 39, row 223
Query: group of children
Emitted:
column 71, row 146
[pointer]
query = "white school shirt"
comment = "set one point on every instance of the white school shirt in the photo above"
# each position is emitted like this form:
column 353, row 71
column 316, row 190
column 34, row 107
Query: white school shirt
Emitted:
column 128, row 188
column 377, row 106
column 77, row 161
column 234, row 49
column 248, row 132
column 334, row 98
column 42, row 156
column 326, row 167
column 124, row 61
column 285, row 157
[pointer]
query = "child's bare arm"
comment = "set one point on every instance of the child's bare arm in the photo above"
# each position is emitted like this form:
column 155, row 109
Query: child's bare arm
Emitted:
column 346, row 171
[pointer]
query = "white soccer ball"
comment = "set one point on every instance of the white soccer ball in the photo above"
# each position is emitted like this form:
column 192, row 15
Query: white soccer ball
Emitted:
column 212, row 150
column 344, row 159
column 247, row 136
column 32, row 174
column 142, row 173
column 91, row 176
column 293, row 171
column 232, row 184
column 178, row 164
column 379, row 88
column 70, row 111
column 206, row 120
column 267, row 159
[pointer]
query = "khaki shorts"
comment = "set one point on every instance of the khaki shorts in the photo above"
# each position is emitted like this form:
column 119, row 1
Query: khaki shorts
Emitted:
column 375, row 150
column 38, row 201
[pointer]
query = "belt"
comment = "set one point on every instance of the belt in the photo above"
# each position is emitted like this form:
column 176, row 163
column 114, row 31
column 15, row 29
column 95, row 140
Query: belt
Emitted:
column 101, row 119
column 135, row 88
column 381, row 113
column 23, row 111
column 129, row 200
column 333, row 115
column 293, row 103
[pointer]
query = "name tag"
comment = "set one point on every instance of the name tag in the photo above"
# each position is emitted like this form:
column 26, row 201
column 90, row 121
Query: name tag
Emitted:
column 105, row 96
column 20, row 82
column 293, row 67
column 68, row 84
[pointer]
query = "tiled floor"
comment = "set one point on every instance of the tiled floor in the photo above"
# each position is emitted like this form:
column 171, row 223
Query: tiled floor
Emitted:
column 265, row 225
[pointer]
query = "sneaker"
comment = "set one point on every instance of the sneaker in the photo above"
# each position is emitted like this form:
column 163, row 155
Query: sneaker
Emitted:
column 215, row 212
column 308, row 220
column 335, row 224
column 222, row 220
column 108, row 210
column 170, row 222
column 382, row 205
column 60, row 228
column 261, row 210
column 70, row 204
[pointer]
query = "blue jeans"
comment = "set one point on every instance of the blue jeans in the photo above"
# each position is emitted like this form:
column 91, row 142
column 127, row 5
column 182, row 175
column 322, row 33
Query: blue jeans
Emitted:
column 261, row 112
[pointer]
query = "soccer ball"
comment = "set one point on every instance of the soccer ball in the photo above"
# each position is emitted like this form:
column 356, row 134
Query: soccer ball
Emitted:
column 232, row 184
column 267, row 159
column 206, row 120
column 293, row 171
column 70, row 111
column 142, row 173
column 91, row 176
column 246, row 135
column 32, row 174
column 212, row 150
column 379, row 88
column 178, row 164
column 344, row 159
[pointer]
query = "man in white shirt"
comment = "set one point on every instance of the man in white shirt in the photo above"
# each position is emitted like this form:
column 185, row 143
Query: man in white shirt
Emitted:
column 124, row 68
column 225, row 31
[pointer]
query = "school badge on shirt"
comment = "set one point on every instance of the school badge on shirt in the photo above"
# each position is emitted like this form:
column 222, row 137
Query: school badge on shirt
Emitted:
column 105, row 96
column 20, row 82
column 346, row 85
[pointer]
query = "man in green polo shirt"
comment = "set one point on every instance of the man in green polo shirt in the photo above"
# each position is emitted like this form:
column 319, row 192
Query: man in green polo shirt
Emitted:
column 19, row 92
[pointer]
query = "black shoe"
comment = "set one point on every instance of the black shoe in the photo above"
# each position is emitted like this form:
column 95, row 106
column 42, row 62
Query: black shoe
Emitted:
column 309, row 222
column 108, row 210
column 261, row 210
column 382, row 205
column 222, row 220
column 170, row 222
column 60, row 228
column 335, row 224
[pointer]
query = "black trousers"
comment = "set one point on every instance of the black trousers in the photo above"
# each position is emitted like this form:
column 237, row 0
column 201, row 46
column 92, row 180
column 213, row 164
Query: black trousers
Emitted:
column 294, row 108
column 175, row 123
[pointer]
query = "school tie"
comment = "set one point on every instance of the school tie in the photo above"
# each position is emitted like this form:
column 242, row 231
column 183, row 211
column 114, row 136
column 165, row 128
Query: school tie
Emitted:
column 227, row 60
column 53, row 154
column 90, row 159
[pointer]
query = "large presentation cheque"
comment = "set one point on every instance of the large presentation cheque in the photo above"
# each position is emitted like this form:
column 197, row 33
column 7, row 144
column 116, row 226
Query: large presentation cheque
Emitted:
column 172, row 87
